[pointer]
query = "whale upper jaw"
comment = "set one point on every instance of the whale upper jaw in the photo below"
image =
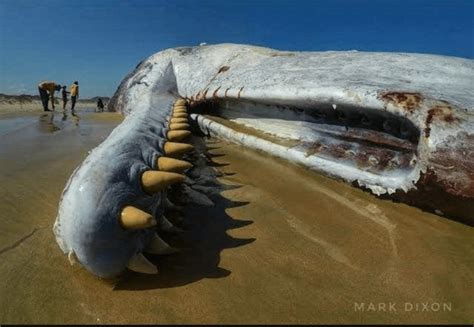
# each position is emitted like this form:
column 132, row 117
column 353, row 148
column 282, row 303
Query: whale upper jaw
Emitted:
column 390, row 122
column 419, row 104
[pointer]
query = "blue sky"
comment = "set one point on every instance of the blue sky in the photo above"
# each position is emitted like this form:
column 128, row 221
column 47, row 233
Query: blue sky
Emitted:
column 98, row 42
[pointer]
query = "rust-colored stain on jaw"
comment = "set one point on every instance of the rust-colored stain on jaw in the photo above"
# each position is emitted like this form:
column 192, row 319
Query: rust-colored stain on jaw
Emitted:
column 339, row 151
column 314, row 149
column 442, row 111
column 406, row 100
column 454, row 155
column 449, row 118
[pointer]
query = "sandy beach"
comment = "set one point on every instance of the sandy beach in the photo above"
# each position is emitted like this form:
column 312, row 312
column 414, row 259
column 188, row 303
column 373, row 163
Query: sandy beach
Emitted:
column 282, row 244
column 14, row 104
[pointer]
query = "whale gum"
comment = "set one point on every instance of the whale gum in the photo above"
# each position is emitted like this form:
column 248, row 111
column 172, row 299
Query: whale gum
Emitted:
column 320, row 245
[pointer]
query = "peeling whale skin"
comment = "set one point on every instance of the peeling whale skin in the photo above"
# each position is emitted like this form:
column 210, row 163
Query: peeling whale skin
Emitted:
column 399, row 125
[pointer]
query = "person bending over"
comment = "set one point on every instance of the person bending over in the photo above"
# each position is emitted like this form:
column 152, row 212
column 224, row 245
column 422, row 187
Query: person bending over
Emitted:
column 46, row 90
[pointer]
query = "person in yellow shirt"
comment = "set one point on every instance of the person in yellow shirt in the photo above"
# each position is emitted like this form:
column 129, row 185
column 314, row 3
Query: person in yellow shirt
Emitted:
column 46, row 90
column 74, row 94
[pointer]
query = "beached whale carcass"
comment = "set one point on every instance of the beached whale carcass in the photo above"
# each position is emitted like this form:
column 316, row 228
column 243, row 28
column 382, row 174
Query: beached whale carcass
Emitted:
column 392, row 123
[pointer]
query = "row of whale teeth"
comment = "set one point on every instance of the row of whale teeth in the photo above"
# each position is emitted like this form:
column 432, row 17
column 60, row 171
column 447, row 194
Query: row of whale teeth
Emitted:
column 169, row 172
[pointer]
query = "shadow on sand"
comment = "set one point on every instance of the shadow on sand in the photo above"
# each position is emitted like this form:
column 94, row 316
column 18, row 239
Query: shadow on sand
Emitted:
column 46, row 123
column 204, row 228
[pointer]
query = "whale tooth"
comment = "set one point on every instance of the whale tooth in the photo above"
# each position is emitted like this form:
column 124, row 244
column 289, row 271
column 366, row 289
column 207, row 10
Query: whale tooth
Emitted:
column 173, row 149
column 134, row 218
column 73, row 258
column 177, row 135
column 180, row 111
column 172, row 165
column 141, row 264
column 182, row 108
column 180, row 102
column 179, row 126
column 180, row 115
column 179, row 120
column 155, row 181
column 158, row 246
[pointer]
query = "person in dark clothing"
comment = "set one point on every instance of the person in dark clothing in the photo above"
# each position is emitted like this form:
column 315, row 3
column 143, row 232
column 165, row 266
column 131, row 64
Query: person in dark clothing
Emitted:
column 64, row 94
column 74, row 94
column 44, row 98
column 100, row 105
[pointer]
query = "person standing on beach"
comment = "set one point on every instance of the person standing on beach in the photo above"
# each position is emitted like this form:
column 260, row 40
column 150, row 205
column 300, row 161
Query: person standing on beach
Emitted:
column 64, row 94
column 100, row 105
column 46, row 90
column 74, row 94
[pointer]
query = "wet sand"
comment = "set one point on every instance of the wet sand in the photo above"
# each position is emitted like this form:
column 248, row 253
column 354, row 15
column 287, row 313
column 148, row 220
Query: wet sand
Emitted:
column 16, row 105
column 282, row 245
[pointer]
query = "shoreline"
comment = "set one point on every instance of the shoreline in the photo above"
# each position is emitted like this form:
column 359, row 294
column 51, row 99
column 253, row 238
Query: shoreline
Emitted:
column 9, row 109
column 15, row 104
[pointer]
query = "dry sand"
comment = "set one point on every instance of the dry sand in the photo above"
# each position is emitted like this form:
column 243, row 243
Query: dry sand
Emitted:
column 283, row 246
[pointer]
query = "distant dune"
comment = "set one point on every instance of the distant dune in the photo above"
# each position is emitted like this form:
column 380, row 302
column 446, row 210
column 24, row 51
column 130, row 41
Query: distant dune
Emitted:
column 28, row 103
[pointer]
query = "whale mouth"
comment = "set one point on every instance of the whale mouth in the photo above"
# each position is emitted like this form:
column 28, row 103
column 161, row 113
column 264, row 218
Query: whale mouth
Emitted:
column 371, row 141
